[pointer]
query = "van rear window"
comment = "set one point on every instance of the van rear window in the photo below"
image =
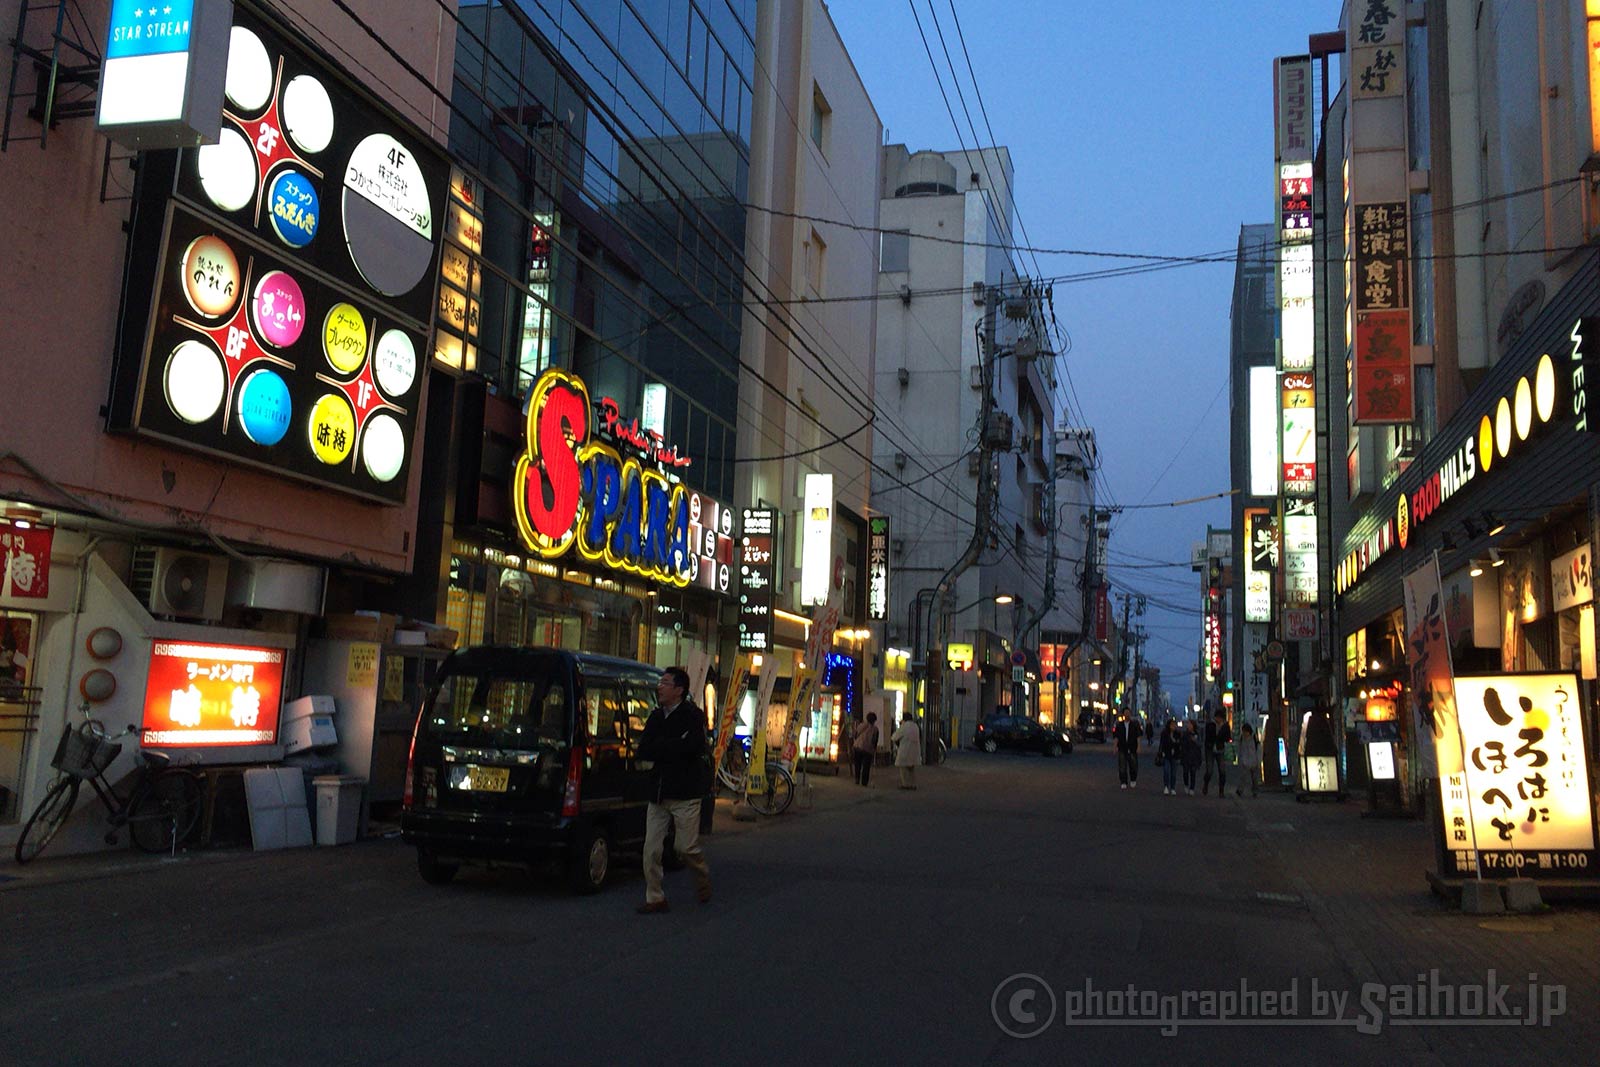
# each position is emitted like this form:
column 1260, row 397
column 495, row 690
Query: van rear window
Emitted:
column 492, row 708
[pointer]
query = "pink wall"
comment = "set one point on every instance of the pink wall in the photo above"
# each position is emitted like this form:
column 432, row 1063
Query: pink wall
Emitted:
column 58, row 308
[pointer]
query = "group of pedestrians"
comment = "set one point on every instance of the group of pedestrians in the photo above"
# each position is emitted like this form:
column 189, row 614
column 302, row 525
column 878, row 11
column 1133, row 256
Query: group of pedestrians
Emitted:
column 907, row 741
column 1186, row 748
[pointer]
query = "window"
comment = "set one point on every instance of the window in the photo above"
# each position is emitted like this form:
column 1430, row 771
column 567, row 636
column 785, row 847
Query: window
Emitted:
column 821, row 118
column 894, row 250
column 816, row 261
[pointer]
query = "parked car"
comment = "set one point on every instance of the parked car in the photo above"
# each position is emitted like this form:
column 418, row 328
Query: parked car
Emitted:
column 1092, row 727
column 522, row 755
column 1023, row 734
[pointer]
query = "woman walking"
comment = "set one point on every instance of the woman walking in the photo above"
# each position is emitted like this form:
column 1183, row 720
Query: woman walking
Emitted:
column 1249, row 760
column 1168, row 754
column 864, row 747
column 908, row 751
column 1189, row 753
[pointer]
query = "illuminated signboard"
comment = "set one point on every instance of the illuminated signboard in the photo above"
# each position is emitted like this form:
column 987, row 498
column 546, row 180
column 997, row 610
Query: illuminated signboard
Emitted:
column 1263, row 431
column 590, row 482
column 1261, row 560
column 1523, row 795
column 758, row 541
column 201, row 694
column 161, row 80
column 294, row 279
column 958, row 655
column 816, row 553
column 878, row 567
column 1300, row 553
column 455, row 336
column 1510, row 421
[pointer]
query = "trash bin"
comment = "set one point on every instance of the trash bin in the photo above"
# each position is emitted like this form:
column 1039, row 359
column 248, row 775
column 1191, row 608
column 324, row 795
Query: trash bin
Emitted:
column 338, row 807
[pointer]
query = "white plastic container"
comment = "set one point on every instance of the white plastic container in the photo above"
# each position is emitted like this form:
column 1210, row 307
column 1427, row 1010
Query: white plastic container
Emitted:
column 338, row 807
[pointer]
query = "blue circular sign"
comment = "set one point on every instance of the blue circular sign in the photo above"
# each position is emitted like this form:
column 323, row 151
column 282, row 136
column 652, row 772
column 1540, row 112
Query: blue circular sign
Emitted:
column 296, row 208
column 264, row 407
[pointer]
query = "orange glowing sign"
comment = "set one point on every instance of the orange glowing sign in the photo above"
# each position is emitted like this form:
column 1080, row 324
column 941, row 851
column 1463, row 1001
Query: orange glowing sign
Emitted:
column 1380, row 709
column 206, row 694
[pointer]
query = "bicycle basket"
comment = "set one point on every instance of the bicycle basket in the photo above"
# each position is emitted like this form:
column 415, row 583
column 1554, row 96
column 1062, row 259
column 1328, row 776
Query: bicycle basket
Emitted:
column 82, row 754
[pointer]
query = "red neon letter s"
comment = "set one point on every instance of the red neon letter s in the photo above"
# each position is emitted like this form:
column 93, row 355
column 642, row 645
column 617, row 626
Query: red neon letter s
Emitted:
column 558, row 425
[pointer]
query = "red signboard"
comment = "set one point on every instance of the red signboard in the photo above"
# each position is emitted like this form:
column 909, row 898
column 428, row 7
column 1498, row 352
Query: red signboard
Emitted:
column 205, row 694
column 26, row 552
column 1383, row 367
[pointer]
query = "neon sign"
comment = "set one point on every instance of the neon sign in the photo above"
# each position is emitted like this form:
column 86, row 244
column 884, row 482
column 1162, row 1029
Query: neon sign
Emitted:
column 647, row 441
column 573, row 491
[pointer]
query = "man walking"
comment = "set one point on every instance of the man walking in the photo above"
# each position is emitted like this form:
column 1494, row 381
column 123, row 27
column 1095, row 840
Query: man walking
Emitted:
column 1128, row 734
column 674, row 741
column 1216, row 745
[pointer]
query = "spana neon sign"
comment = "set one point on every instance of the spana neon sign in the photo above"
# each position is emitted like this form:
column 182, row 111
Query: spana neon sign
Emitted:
column 572, row 490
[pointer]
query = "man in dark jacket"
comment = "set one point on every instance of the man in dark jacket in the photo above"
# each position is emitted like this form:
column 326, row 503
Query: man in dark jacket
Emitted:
column 1218, row 735
column 674, row 743
column 1128, row 733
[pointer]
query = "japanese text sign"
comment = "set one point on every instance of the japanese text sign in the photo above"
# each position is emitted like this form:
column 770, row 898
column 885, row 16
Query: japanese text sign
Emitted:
column 26, row 555
column 207, row 694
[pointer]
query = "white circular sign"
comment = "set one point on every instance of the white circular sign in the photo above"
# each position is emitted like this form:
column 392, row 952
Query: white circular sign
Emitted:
column 388, row 215
column 249, row 78
column 194, row 382
column 394, row 362
column 383, row 447
column 307, row 114
column 228, row 171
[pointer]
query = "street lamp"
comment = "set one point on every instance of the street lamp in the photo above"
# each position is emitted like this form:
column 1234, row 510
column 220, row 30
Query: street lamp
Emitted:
column 1004, row 598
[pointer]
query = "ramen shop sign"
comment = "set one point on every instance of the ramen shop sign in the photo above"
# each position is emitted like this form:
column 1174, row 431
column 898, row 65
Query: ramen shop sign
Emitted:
column 574, row 491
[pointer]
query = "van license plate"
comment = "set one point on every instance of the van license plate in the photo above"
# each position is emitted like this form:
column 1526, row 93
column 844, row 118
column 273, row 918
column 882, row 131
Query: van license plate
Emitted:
column 480, row 779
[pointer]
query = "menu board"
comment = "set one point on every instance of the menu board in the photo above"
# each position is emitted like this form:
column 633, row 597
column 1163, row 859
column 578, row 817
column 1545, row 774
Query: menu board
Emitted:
column 286, row 322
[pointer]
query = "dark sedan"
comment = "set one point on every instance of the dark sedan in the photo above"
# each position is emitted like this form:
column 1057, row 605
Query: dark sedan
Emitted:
column 1022, row 734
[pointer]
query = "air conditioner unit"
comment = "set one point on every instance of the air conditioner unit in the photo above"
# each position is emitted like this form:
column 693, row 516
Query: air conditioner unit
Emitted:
column 190, row 585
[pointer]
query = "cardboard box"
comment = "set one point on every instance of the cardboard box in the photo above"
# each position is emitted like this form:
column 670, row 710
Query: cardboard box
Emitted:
column 308, row 731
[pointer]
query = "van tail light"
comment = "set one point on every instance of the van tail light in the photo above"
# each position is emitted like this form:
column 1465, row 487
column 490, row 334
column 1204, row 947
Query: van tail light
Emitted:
column 569, row 797
column 411, row 767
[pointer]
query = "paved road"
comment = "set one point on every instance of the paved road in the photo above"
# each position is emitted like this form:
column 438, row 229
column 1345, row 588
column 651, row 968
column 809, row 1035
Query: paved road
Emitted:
column 876, row 926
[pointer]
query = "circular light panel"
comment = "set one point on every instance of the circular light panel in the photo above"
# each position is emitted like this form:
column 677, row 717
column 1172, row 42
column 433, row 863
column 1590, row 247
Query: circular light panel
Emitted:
column 296, row 208
column 280, row 309
column 344, row 338
column 264, row 407
column 307, row 114
column 1502, row 427
column 383, row 447
column 388, row 217
column 194, row 382
column 249, row 78
column 1485, row 443
column 228, row 171
column 1522, row 409
column 332, row 429
column 1544, row 388
column 394, row 363
column 210, row 276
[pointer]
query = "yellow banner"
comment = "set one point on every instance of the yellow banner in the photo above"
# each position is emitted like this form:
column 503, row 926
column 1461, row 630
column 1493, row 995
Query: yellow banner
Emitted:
column 733, row 694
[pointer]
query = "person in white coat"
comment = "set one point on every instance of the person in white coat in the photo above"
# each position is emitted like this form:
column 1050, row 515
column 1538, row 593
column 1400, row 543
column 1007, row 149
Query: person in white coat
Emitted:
column 908, row 751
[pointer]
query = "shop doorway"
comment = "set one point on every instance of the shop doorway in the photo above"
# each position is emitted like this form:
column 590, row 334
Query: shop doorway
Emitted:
column 19, row 706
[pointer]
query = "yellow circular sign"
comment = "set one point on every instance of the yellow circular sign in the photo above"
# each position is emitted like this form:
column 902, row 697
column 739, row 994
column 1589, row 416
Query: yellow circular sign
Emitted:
column 332, row 429
column 1402, row 521
column 1485, row 443
column 344, row 338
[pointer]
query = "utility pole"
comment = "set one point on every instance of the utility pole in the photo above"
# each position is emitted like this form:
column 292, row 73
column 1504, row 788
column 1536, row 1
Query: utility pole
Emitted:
column 1138, row 665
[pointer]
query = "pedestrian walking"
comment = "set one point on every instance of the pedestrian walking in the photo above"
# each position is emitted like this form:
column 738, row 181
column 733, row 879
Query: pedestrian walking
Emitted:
column 908, row 751
column 1218, row 737
column 1128, row 735
column 864, row 746
column 673, row 743
column 1169, row 754
column 1189, row 752
column 1249, row 760
column 1149, row 731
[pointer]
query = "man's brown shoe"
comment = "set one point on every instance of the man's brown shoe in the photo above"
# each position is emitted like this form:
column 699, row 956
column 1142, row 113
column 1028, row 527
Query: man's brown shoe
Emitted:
column 652, row 907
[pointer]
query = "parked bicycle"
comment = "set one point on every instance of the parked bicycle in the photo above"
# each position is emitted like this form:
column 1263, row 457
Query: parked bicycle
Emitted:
column 160, row 808
column 776, row 791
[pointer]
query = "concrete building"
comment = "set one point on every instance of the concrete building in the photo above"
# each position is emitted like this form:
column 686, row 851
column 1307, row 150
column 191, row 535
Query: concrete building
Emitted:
column 967, row 420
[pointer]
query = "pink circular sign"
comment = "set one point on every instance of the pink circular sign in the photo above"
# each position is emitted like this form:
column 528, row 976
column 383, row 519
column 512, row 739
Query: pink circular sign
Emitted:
column 280, row 309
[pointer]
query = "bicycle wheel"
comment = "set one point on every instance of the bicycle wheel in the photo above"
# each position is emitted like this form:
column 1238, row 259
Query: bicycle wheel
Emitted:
column 164, row 813
column 730, row 775
column 48, row 817
column 777, row 796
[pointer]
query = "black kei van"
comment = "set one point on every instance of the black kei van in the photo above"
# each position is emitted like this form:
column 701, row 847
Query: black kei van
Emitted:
column 521, row 755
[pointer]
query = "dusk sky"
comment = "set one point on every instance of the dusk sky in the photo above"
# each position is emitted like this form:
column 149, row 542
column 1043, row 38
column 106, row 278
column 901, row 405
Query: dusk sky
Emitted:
column 1143, row 127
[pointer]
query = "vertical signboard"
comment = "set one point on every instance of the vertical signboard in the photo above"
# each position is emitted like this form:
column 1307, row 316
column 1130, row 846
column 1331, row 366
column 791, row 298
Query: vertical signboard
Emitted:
column 1437, row 748
column 1261, row 563
column 816, row 551
column 757, row 563
column 1263, row 431
column 878, row 568
column 161, row 80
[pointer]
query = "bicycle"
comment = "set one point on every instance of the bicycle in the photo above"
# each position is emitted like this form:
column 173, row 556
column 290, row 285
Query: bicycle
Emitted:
column 776, row 792
column 160, row 809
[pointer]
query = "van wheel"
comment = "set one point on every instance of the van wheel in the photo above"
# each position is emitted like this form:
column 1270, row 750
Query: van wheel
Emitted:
column 590, row 862
column 434, row 872
column 989, row 745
